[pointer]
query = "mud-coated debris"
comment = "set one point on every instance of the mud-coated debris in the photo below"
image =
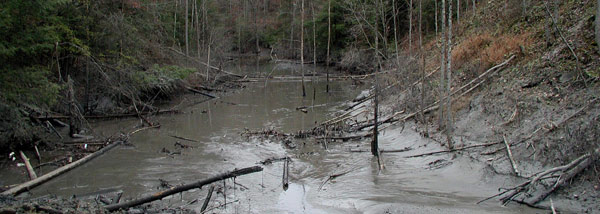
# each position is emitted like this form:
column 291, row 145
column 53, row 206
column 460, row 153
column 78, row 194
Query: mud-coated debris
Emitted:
column 437, row 164
column 135, row 211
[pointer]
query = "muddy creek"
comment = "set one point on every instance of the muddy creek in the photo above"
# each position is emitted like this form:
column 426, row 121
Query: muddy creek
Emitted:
column 433, row 184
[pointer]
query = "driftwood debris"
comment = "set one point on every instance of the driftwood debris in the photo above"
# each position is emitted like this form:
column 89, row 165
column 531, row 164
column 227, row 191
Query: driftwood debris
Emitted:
column 181, row 188
column 513, row 163
column 285, row 177
column 530, row 193
column 184, row 138
column 210, row 192
column 40, row 180
column 405, row 149
column 331, row 177
column 200, row 92
column 271, row 160
column 30, row 170
column 454, row 150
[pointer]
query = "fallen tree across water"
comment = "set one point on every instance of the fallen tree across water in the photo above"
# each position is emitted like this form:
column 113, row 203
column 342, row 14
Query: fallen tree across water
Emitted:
column 42, row 179
column 181, row 188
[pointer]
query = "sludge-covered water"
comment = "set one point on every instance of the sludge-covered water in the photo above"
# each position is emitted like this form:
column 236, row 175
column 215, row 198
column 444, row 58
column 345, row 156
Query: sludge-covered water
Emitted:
column 435, row 184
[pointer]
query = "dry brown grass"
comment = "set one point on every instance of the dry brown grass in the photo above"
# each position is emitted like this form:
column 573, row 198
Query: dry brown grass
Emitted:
column 489, row 50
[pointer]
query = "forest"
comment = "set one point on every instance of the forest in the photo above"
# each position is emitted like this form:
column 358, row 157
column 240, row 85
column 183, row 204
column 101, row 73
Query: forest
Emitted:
column 437, row 106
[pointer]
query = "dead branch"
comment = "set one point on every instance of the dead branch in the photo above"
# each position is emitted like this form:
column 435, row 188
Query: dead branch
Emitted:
column 181, row 188
column 510, row 156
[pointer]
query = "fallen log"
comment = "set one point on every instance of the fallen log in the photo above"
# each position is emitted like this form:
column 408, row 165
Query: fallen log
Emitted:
column 30, row 170
column 181, row 188
column 454, row 150
column 52, row 117
column 42, row 179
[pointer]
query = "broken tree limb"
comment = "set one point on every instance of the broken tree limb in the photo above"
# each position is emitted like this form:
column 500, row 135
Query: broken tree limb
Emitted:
column 30, row 170
column 510, row 156
column 210, row 192
column 183, row 138
column 454, row 150
column 200, row 92
column 181, row 188
column 42, row 179
column 331, row 177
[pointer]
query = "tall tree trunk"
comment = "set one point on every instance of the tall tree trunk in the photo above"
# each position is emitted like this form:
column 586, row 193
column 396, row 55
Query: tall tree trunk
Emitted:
column 442, row 67
column 598, row 25
column 375, row 142
column 395, row 33
column 175, row 23
column 422, row 68
column 410, row 24
column 197, row 30
column 302, row 46
column 449, row 82
column 329, row 40
column 292, row 30
column 312, row 8
column 187, row 46
column 473, row 5
column 436, row 17
column 457, row 11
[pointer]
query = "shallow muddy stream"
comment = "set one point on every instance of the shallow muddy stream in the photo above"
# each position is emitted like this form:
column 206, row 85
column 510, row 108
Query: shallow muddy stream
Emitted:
column 434, row 184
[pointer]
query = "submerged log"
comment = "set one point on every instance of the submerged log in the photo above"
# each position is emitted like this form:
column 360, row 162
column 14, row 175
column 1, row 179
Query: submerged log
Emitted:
column 178, row 189
column 42, row 179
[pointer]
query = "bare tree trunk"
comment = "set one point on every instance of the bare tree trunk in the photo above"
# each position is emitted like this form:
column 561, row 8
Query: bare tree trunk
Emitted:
column 395, row 33
column 187, row 46
column 436, row 17
column 442, row 67
column 598, row 25
column 457, row 11
column 329, row 40
column 473, row 5
column 449, row 82
column 375, row 142
column 292, row 29
column 312, row 8
column 410, row 24
column 197, row 31
column 175, row 23
column 302, row 46
column 422, row 68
